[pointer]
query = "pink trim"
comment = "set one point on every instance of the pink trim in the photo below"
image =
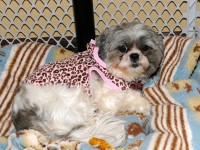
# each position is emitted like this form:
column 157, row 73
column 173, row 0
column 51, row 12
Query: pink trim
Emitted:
column 108, row 81
column 96, row 57
column 95, row 54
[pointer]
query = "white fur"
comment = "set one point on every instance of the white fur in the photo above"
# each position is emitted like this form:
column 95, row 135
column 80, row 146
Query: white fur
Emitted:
column 109, row 100
column 68, row 107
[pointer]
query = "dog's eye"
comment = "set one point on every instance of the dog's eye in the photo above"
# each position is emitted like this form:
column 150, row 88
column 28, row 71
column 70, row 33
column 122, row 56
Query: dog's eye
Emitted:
column 123, row 49
column 145, row 48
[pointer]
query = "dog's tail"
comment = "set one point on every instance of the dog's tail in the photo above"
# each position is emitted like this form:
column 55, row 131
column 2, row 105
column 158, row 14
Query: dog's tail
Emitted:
column 106, row 127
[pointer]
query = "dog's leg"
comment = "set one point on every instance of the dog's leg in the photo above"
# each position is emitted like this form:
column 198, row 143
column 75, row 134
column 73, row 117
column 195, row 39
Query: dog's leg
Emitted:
column 127, row 100
column 112, row 101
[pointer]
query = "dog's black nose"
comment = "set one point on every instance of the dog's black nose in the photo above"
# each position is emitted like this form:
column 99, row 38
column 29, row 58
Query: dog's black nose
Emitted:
column 134, row 57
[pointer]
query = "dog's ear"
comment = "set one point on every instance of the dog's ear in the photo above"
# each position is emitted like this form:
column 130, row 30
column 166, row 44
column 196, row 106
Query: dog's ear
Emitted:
column 160, row 43
column 102, row 41
column 105, row 38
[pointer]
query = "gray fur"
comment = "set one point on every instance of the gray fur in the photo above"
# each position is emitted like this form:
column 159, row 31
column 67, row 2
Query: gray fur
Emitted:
column 129, row 34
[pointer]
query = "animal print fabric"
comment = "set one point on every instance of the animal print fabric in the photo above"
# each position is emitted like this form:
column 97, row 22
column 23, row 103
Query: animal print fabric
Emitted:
column 77, row 71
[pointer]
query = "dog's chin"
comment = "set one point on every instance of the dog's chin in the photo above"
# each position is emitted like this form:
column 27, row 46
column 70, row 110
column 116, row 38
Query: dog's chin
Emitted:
column 133, row 72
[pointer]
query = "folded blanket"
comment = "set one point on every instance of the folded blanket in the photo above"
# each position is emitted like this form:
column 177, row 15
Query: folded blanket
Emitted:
column 174, row 94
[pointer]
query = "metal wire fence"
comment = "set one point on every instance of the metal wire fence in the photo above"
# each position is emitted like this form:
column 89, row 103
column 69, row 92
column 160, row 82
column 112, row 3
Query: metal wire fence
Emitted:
column 53, row 22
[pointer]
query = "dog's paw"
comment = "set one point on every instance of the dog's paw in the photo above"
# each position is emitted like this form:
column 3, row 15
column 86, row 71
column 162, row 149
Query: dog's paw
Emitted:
column 141, row 106
column 144, row 110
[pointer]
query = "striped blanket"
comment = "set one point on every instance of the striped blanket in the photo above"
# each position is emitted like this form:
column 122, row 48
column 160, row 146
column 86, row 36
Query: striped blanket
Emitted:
column 175, row 96
column 174, row 122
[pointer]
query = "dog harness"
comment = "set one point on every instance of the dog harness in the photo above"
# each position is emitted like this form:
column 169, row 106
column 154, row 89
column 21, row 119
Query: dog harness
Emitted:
column 77, row 69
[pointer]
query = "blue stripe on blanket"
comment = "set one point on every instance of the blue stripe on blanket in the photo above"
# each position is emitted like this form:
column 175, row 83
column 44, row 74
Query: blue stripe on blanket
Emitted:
column 51, row 54
column 195, row 128
column 146, row 142
column 16, row 141
column 85, row 146
column 4, row 54
column 3, row 144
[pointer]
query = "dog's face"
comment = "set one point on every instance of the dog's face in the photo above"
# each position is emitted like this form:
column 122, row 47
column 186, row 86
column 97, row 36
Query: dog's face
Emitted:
column 131, row 51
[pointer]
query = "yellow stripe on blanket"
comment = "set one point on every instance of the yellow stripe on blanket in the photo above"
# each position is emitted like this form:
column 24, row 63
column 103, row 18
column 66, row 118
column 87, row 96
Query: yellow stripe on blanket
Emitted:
column 193, row 56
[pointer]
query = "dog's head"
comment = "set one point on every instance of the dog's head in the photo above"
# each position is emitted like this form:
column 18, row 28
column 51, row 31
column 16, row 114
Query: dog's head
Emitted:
column 131, row 51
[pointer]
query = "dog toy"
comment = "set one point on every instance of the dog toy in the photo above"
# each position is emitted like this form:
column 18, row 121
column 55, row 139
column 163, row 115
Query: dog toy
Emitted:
column 101, row 144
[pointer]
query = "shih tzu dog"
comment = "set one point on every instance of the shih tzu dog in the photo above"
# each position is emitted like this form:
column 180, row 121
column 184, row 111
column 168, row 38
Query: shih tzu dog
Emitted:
column 77, row 98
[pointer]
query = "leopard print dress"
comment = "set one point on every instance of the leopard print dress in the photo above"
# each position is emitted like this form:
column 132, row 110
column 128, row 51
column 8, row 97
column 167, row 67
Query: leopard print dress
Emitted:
column 77, row 71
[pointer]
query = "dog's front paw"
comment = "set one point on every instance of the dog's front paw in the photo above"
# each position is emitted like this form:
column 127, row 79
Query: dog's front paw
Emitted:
column 142, row 106
column 144, row 109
